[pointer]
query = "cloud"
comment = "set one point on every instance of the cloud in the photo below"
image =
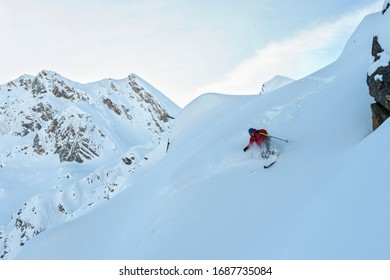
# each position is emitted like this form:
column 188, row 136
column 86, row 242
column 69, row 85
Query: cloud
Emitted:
column 295, row 57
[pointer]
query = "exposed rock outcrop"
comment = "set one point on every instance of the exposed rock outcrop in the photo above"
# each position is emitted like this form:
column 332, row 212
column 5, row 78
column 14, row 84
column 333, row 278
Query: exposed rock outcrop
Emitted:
column 386, row 6
column 378, row 81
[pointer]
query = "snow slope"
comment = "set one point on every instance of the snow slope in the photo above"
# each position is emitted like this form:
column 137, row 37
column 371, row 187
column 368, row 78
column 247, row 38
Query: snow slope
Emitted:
column 327, row 197
column 275, row 83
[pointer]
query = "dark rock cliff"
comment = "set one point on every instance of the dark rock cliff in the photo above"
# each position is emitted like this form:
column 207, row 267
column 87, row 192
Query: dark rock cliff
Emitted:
column 379, row 85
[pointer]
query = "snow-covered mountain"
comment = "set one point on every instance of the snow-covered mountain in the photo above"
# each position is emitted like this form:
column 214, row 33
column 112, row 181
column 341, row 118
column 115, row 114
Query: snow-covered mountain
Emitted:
column 67, row 146
column 327, row 197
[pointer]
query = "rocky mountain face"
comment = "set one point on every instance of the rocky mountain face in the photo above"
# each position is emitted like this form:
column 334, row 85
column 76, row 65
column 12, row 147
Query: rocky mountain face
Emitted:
column 378, row 78
column 53, row 113
column 66, row 147
column 378, row 82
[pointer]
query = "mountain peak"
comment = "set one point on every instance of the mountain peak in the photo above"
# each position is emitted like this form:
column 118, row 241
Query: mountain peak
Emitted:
column 43, row 105
column 57, row 124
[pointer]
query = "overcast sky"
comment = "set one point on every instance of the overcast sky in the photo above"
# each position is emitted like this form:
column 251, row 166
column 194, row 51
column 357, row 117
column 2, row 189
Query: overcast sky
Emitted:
column 182, row 47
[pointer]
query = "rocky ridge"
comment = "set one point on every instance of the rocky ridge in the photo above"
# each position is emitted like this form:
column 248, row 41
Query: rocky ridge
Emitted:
column 49, row 110
column 378, row 82
column 76, row 145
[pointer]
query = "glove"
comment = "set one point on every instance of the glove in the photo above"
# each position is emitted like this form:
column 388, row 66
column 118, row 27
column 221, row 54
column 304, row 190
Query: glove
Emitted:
column 245, row 149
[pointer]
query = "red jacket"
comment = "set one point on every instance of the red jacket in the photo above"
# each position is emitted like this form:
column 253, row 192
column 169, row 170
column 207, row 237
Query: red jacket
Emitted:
column 258, row 138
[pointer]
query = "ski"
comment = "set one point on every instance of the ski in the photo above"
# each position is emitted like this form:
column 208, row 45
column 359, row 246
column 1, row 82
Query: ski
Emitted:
column 268, row 161
column 269, row 165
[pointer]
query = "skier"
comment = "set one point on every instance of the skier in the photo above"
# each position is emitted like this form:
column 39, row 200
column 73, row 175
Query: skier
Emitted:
column 261, row 139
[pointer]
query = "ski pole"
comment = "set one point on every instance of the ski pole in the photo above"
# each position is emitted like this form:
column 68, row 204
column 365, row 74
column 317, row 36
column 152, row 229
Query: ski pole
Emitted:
column 285, row 140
